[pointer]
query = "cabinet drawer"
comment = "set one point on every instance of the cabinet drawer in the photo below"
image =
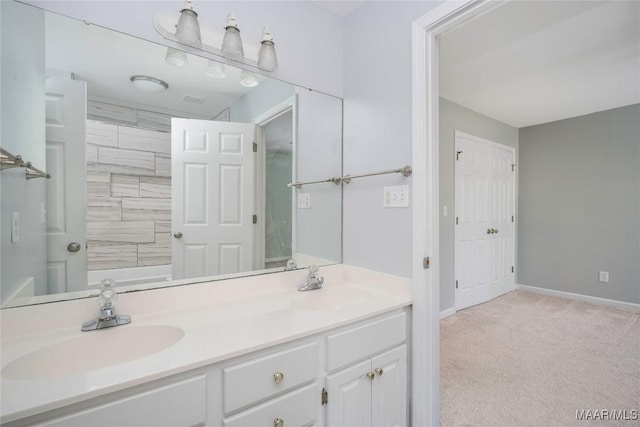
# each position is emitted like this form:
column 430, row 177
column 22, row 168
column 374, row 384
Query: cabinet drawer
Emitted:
column 179, row 404
column 363, row 341
column 255, row 380
column 297, row 408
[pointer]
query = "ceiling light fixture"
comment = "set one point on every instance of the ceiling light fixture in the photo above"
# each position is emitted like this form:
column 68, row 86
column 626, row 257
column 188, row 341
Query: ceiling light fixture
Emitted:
column 188, row 28
column 149, row 84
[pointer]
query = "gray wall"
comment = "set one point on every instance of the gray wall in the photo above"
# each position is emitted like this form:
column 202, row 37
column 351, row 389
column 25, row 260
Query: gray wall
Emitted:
column 580, row 204
column 23, row 79
column 456, row 117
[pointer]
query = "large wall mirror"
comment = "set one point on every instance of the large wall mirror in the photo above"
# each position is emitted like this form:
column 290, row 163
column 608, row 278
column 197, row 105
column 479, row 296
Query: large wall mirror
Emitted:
column 166, row 168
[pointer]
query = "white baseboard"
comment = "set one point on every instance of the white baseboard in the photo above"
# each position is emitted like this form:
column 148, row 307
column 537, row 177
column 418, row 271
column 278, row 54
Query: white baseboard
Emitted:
column 595, row 300
column 448, row 312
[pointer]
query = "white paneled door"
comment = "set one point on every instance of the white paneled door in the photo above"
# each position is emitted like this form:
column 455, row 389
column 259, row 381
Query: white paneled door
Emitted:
column 485, row 220
column 66, row 113
column 212, row 169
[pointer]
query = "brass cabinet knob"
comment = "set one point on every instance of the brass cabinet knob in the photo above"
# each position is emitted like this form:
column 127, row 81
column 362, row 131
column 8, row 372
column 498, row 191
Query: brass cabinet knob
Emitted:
column 278, row 422
column 378, row 371
column 371, row 375
column 489, row 231
column 177, row 235
column 495, row 231
column 278, row 377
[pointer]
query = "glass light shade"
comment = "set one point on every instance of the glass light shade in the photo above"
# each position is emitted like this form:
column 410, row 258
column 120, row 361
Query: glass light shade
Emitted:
column 232, row 43
column 248, row 79
column 176, row 57
column 216, row 70
column 188, row 29
column 267, row 59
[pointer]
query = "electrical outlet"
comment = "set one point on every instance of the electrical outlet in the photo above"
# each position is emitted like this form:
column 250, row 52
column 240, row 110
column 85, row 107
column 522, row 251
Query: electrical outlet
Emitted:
column 396, row 197
column 604, row 276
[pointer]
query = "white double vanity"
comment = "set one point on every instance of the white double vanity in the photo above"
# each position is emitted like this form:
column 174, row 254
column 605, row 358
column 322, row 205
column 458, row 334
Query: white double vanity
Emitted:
column 250, row 351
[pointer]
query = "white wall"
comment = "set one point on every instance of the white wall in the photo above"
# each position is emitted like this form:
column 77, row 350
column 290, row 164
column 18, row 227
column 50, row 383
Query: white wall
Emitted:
column 23, row 77
column 308, row 39
column 377, row 131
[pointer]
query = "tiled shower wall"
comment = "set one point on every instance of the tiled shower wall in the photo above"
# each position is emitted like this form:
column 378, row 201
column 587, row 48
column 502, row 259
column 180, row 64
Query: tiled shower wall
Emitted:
column 128, row 191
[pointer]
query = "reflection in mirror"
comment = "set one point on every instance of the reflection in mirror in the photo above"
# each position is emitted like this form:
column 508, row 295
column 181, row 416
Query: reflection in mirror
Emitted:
column 166, row 168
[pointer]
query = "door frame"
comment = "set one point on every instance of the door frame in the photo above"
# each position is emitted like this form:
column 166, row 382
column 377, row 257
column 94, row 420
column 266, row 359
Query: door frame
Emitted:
column 261, row 121
column 426, row 204
column 514, row 189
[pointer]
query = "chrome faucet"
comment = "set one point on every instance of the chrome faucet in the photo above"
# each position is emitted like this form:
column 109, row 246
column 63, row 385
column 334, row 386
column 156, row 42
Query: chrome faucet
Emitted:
column 313, row 281
column 108, row 316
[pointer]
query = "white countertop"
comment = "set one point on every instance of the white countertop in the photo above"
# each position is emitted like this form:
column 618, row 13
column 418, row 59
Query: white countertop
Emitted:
column 220, row 320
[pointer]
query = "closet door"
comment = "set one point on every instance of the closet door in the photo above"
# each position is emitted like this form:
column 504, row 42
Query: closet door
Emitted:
column 485, row 218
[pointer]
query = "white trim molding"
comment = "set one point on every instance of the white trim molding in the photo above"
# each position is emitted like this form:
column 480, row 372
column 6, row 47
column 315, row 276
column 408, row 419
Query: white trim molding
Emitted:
column 579, row 297
column 448, row 312
column 425, row 154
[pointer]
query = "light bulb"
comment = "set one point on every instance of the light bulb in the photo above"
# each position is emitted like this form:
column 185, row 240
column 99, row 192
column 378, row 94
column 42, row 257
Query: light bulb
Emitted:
column 188, row 29
column 267, row 59
column 232, row 43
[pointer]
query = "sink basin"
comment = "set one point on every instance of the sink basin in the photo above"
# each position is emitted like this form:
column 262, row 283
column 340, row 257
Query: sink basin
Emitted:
column 329, row 299
column 93, row 350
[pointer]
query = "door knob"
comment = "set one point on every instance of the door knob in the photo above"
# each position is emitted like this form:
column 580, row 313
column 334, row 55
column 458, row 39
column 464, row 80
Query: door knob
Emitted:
column 177, row 234
column 74, row 247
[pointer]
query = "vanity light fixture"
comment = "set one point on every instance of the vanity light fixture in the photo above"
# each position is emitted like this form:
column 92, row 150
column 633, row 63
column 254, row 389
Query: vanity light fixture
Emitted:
column 232, row 43
column 188, row 28
column 216, row 70
column 248, row 79
column 149, row 84
column 267, row 59
column 176, row 57
column 187, row 32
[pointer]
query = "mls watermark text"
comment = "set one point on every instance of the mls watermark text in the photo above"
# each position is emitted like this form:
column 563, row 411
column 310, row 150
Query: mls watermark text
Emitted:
column 607, row 414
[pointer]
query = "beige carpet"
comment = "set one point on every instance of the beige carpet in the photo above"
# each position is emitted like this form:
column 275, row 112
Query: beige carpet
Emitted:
column 526, row 359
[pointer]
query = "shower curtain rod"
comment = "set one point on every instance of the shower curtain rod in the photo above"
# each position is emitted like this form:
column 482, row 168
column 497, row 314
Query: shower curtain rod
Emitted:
column 406, row 171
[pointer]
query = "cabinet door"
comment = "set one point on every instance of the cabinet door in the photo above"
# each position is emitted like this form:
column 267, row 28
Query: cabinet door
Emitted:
column 349, row 402
column 389, row 388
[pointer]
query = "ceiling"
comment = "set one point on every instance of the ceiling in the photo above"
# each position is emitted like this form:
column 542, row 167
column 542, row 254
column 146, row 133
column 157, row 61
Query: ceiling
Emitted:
column 532, row 62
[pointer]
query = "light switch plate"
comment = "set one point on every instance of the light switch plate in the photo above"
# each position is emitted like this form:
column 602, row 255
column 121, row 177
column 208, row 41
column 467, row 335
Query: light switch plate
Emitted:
column 304, row 201
column 396, row 197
